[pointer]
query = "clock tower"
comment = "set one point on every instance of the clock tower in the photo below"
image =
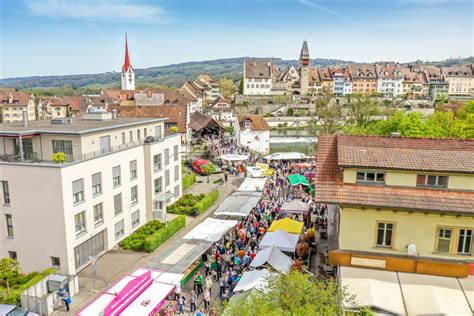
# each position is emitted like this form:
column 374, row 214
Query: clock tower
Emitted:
column 304, row 69
column 128, row 76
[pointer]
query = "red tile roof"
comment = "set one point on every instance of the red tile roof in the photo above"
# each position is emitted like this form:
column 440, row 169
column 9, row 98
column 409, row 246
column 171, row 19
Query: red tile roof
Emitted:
column 331, row 189
column 257, row 122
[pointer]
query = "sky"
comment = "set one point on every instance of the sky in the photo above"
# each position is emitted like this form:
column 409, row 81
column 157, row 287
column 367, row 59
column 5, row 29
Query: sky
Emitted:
column 56, row 37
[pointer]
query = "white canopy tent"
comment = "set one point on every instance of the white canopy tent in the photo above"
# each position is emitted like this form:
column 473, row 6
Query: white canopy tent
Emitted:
column 280, row 239
column 211, row 229
column 286, row 156
column 274, row 257
column 234, row 157
column 252, row 184
column 295, row 206
column 255, row 172
column 253, row 279
column 238, row 204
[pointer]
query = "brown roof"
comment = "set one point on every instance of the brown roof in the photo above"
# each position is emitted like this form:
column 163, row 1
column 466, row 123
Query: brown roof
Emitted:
column 324, row 74
column 258, row 69
column 198, row 121
column 257, row 122
column 331, row 189
column 464, row 71
column 314, row 75
column 21, row 98
column 388, row 71
column 362, row 71
column 414, row 76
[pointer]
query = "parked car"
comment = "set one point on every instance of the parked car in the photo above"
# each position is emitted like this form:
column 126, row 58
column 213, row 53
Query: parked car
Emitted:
column 12, row 310
column 198, row 166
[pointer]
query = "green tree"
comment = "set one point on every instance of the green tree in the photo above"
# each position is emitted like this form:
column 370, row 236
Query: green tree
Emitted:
column 293, row 294
column 241, row 85
column 9, row 269
column 362, row 110
column 328, row 117
column 209, row 168
column 226, row 87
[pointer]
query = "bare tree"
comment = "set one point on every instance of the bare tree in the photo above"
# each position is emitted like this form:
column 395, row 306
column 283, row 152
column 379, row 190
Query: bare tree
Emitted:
column 328, row 116
column 363, row 110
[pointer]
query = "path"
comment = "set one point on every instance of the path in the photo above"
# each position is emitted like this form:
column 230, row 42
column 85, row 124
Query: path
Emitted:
column 117, row 263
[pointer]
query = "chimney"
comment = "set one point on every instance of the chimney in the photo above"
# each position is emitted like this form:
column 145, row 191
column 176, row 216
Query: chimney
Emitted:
column 25, row 118
column 114, row 114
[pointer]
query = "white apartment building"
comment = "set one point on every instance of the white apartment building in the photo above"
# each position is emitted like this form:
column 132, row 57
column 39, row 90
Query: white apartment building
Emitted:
column 257, row 77
column 390, row 79
column 115, row 177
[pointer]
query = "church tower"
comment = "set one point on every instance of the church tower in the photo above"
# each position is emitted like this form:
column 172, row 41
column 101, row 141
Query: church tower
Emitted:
column 128, row 76
column 304, row 69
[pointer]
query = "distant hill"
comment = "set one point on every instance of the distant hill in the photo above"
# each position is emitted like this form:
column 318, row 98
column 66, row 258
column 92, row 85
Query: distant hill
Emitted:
column 169, row 75
column 175, row 74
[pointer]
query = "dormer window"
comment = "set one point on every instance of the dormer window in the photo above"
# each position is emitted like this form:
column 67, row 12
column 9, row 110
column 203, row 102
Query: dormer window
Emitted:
column 247, row 123
column 370, row 177
column 426, row 180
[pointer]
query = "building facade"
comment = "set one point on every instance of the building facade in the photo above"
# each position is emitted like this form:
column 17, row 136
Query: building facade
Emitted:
column 14, row 105
column 252, row 131
column 364, row 79
column 258, row 77
column 410, row 215
column 389, row 79
column 461, row 81
column 114, row 178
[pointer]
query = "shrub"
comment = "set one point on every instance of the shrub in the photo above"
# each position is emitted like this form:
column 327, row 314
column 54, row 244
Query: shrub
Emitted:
column 290, row 112
column 154, row 241
column 136, row 240
column 186, row 204
column 207, row 201
column 189, row 180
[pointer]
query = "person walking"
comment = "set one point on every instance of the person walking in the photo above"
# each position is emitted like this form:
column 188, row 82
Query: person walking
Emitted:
column 222, row 285
column 64, row 296
column 207, row 266
column 181, row 303
column 200, row 282
column 193, row 301
column 195, row 282
column 209, row 283
column 207, row 299
column 225, row 177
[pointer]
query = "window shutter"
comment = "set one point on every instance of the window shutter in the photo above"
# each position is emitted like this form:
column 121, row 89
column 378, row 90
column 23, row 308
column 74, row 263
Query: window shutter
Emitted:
column 136, row 216
column 118, row 203
column 96, row 179
column 78, row 186
column 133, row 165
column 119, row 226
column 116, row 172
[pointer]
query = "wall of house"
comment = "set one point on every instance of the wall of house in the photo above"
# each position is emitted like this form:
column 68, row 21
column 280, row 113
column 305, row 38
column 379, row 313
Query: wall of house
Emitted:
column 414, row 228
column 460, row 85
column 256, row 140
column 257, row 86
column 405, row 178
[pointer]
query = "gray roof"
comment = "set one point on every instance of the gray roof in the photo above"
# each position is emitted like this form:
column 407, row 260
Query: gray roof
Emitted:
column 258, row 69
column 304, row 51
column 77, row 127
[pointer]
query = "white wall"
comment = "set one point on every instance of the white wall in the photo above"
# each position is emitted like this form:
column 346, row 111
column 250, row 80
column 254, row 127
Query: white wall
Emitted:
column 257, row 86
column 255, row 140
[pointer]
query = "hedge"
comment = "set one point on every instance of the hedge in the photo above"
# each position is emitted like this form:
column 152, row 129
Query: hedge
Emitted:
column 207, row 201
column 189, row 180
column 15, row 294
column 186, row 204
column 136, row 240
column 154, row 241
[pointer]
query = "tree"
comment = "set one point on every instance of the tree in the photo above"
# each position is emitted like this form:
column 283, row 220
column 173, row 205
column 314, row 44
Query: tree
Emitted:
column 362, row 110
column 209, row 168
column 294, row 293
column 328, row 117
column 174, row 129
column 9, row 269
column 241, row 85
column 226, row 87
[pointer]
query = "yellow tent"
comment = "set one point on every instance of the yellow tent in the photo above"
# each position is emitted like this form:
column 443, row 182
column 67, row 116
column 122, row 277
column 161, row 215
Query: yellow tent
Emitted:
column 287, row 225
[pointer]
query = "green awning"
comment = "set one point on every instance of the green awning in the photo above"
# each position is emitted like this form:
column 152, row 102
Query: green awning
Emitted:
column 296, row 179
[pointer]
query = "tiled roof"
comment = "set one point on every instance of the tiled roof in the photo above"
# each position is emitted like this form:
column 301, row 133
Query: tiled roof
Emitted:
column 198, row 121
column 463, row 71
column 258, row 69
column 423, row 154
column 257, row 122
column 362, row 71
column 331, row 189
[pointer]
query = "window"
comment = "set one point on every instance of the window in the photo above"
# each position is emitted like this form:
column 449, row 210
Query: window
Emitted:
column 158, row 185
column 167, row 156
column 135, row 218
column 80, row 222
column 385, row 234
column 98, row 213
column 175, row 153
column 167, row 177
column 157, row 162
column 176, row 173
column 78, row 191
column 444, row 239
column 431, row 180
column 176, row 191
column 96, row 184
column 62, row 146
column 91, row 247
column 116, row 176
column 465, row 241
column 118, row 204
column 123, row 138
column 370, row 177
column 133, row 169
column 138, row 134
column 55, row 262
column 157, row 131
column 119, row 229
column 9, row 222
column 13, row 255
column 134, row 195
column 6, row 193
column 131, row 136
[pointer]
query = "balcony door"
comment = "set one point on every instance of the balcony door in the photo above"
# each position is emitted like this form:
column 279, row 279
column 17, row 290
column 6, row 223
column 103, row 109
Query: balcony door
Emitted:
column 104, row 144
column 27, row 144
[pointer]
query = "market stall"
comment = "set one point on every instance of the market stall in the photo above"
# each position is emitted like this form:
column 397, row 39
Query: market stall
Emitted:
column 211, row 229
column 253, row 279
column 233, row 157
column 295, row 206
column 238, row 204
column 273, row 257
column 139, row 293
column 288, row 225
column 252, row 184
column 286, row 156
column 280, row 239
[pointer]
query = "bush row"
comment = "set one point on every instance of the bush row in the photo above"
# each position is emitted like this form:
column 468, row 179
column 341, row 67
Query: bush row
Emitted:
column 185, row 205
column 15, row 294
column 189, row 180
column 154, row 241
column 207, row 201
column 136, row 240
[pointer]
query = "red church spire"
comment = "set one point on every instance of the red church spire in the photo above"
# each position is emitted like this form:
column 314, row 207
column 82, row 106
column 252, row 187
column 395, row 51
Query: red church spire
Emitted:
column 127, row 64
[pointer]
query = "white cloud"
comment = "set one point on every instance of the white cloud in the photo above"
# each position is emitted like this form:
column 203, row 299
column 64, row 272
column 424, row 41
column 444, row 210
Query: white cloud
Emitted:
column 426, row 2
column 97, row 10
column 319, row 7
